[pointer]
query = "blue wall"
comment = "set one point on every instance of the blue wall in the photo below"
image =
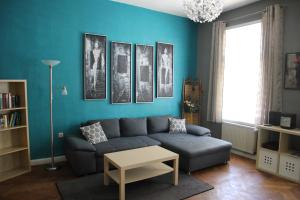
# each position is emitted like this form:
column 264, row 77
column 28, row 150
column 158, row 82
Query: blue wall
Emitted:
column 33, row 30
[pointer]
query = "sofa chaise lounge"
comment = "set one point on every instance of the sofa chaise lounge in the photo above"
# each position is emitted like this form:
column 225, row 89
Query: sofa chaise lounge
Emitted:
column 196, row 149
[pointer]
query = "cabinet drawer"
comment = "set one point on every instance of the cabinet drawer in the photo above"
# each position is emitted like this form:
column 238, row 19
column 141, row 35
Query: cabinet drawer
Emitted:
column 289, row 167
column 268, row 160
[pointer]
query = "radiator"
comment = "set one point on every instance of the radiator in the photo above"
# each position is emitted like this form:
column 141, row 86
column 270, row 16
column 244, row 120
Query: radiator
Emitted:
column 243, row 138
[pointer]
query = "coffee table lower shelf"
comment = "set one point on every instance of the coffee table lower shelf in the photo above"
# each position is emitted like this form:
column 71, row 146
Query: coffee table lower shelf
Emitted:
column 141, row 173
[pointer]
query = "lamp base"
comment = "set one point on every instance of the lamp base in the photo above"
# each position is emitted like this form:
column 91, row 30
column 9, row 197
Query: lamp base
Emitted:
column 53, row 168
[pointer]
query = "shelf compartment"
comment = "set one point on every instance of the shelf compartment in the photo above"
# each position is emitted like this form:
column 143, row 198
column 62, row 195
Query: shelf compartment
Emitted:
column 9, row 150
column 17, row 160
column 13, row 140
column 23, row 115
column 268, row 160
column 267, row 136
column 288, row 143
column 141, row 173
column 15, row 88
column 289, row 167
column 13, row 173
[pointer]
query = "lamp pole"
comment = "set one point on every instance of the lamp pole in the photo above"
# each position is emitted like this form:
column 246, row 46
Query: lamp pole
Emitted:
column 51, row 63
column 52, row 167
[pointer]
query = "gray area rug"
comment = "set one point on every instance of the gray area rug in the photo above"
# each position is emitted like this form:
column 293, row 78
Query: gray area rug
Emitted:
column 159, row 188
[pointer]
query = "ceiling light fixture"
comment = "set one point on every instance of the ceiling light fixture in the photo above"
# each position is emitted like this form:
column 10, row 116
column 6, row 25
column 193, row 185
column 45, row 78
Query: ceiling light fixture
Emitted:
column 203, row 10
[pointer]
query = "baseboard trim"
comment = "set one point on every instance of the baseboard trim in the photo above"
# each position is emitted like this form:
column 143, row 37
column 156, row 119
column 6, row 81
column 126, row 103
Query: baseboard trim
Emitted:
column 44, row 161
column 243, row 154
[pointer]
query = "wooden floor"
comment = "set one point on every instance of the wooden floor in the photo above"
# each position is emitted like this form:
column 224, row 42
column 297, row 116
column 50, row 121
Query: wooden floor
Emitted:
column 239, row 180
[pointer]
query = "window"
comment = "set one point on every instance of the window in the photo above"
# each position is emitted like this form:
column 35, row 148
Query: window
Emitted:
column 241, row 75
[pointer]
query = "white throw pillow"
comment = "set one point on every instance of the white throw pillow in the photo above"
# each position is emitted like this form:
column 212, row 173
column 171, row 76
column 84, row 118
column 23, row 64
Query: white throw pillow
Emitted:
column 177, row 125
column 94, row 133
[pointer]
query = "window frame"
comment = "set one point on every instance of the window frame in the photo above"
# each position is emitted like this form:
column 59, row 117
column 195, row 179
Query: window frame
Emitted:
column 228, row 28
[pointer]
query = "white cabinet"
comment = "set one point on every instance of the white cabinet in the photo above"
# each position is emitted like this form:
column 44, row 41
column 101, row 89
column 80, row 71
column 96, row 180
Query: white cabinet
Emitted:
column 280, row 160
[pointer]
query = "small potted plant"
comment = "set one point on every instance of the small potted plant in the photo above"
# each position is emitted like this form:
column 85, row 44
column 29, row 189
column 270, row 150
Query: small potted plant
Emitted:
column 191, row 107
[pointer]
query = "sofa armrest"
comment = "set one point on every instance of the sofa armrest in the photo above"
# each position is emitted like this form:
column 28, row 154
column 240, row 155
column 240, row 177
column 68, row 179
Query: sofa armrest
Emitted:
column 78, row 144
column 197, row 130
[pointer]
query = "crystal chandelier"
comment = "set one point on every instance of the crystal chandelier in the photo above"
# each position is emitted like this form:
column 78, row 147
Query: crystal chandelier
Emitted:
column 203, row 10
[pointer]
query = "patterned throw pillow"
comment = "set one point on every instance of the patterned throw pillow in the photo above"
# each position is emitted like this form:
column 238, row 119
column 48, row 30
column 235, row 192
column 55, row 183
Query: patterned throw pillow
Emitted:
column 94, row 133
column 177, row 125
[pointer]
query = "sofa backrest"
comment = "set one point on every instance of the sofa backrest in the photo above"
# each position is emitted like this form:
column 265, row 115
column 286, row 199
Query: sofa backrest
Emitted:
column 111, row 127
column 133, row 127
column 158, row 124
column 127, row 127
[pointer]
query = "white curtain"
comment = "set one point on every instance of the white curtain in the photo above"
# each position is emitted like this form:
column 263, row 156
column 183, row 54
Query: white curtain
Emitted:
column 217, row 64
column 271, row 75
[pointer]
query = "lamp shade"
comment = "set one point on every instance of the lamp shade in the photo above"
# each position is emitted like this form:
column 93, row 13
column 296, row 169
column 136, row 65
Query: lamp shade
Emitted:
column 64, row 91
column 51, row 62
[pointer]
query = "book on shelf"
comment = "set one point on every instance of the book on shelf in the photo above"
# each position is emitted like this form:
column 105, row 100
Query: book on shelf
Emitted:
column 10, row 120
column 9, row 100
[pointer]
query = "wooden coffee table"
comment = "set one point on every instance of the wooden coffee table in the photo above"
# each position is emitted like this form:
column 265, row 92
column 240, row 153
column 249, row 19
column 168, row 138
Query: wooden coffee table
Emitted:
column 139, row 164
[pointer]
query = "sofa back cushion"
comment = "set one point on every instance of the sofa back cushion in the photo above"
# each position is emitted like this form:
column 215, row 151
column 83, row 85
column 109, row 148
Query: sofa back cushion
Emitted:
column 158, row 124
column 133, row 127
column 111, row 127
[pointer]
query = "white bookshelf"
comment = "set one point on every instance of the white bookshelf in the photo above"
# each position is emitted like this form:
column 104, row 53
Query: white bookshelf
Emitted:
column 14, row 141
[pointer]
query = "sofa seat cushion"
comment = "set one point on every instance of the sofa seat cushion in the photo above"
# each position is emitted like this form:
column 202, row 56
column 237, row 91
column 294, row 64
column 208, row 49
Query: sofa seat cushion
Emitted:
column 190, row 145
column 124, row 143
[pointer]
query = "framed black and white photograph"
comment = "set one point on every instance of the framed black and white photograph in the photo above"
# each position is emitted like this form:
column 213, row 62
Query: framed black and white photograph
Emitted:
column 165, row 70
column 292, row 71
column 143, row 73
column 94, row 67
column 120, row 72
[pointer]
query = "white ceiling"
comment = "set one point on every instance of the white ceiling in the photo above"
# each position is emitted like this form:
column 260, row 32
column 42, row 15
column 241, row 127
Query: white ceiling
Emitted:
column 174, row 7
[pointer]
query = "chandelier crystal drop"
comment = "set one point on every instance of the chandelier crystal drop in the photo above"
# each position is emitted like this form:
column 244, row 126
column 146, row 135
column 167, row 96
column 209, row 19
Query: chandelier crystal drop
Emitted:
column 203, row 10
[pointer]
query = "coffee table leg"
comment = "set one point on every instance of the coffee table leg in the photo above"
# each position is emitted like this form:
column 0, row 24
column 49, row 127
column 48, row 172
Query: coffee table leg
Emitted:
column 121, row 184
column 106, row 169
column 175, row 172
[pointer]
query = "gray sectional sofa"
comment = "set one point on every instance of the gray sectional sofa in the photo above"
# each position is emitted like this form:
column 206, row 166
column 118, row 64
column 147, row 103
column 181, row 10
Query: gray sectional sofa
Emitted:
column 196, row 149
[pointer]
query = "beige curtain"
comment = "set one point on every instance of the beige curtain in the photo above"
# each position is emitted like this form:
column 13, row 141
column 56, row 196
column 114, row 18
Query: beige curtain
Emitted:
column 271, row 76
column 215, row 92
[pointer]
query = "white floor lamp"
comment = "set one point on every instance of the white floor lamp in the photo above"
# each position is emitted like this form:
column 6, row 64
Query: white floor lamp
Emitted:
column 51, row 64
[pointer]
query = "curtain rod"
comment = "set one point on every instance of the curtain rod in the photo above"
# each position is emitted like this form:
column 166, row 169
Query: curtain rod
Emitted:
column 244, row 16
column 247, row 15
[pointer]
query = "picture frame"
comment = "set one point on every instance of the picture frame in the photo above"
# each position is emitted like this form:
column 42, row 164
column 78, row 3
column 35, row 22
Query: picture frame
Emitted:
column 164, row 70
column 120, row 72
column 292, row 71
column 94, row 66
column 144, row 69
